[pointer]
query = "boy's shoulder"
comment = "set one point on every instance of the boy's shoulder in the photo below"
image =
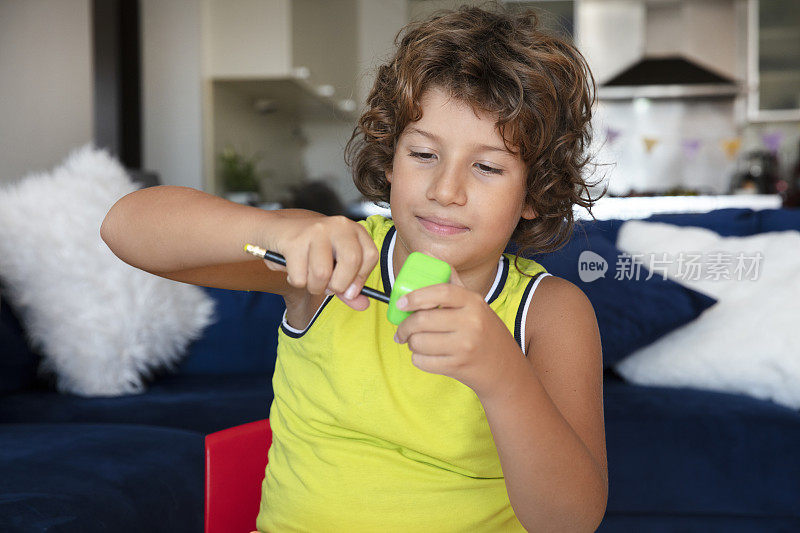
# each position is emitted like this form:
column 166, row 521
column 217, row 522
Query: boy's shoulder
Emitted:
column 558, row 302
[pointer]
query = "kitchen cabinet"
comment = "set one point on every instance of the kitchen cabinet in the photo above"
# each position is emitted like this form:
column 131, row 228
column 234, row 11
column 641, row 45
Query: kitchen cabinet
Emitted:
column 773, row 51
column 286, row 79
column 308, row 44
column 270, row 67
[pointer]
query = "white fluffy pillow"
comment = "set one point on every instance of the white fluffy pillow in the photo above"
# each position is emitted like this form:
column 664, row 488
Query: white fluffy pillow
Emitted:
column 747, row 342
column 100, row 324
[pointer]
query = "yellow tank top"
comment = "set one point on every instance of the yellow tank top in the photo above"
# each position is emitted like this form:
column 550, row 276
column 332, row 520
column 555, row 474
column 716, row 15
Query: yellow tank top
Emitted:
column 365, row 441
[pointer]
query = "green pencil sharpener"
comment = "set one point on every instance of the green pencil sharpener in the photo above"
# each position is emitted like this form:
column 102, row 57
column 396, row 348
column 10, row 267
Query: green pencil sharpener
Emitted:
column 418, row 271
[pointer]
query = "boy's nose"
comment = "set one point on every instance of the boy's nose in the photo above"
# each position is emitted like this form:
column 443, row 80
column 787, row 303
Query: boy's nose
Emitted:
column 447, row 187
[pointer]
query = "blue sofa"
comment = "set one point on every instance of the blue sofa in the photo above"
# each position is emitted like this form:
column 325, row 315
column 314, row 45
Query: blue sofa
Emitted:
column 679, row 459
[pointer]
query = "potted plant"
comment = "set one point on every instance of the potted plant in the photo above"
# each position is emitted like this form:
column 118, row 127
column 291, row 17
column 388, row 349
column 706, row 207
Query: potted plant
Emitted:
column 239, row 176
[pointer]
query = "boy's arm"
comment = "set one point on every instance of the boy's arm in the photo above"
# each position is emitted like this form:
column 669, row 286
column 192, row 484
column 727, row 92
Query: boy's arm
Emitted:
column 191, row 236
column 545, row 411
column 548, row 421
column 188, row 235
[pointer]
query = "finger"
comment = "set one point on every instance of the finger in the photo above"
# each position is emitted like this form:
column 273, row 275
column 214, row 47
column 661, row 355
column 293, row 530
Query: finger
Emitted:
column 297, row 266
column 359, row 303
column 431, row 297
column 430, row 320
column 431, row 343
column 455, row 279
column 433, row 364
column 348, row 261
column 320, row 265
column 369, row 258
column 274, row 266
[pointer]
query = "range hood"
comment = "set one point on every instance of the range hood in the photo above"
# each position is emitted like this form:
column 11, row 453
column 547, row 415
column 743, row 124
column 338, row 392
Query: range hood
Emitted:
column 667, row 77
column 679, row 43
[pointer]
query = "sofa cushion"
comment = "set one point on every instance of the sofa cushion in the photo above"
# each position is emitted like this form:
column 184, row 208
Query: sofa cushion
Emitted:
column 670, row 523
column 243, row 339
column 18, row 362
column 684, row 451
column 729, row 348
column 199, row 403
column 85, row 478
column 779, row 219
column 101, row 325
column 631, row 313
column 727, row 222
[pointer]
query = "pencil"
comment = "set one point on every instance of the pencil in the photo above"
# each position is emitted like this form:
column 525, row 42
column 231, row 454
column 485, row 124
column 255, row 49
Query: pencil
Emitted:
column 278, row 258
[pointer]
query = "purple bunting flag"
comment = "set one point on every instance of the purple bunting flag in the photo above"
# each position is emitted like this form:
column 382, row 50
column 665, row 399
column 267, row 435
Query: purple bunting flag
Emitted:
column 690, row 147
column 773, row 140
column 611, row 135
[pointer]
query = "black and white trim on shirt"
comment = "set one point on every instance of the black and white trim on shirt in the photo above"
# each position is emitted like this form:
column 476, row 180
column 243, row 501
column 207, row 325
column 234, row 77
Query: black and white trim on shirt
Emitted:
column 387, row 268
column 522, row 312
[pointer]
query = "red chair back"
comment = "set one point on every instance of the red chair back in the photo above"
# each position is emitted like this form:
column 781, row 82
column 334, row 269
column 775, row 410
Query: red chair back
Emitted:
column 235, row 463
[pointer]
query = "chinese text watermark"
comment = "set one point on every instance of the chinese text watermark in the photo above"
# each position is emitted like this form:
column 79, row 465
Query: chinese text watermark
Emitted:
column 685, row 266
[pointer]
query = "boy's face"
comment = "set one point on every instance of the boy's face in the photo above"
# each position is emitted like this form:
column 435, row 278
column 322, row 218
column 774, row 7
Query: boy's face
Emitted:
column 450, row 195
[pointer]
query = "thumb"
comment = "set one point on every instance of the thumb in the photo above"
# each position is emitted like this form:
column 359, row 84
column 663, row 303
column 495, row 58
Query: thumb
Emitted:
column 455, row 279
column 274, row 266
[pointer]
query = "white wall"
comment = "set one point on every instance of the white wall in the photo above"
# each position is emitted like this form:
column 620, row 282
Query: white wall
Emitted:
column 378, row 24
column 45, row 82
column 172, row 91
column 668, row 163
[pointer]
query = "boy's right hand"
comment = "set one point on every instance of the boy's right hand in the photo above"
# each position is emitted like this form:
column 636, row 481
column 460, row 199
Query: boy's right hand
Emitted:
column 323, row 254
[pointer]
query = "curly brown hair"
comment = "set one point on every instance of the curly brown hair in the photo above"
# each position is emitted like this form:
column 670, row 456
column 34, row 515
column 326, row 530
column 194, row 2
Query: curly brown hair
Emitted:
column 537, row 84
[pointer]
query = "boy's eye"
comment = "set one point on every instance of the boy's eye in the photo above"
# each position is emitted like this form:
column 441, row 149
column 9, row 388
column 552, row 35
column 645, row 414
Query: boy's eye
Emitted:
column 421, row 154
column 427, row 157
column 490, row 170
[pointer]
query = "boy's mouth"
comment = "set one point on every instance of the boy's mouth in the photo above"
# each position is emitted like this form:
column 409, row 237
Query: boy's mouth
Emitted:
column 441, row 226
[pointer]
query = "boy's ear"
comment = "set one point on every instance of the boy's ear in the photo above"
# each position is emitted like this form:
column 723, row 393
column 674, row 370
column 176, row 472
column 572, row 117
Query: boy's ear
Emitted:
column 528, row 212
column 388, row 175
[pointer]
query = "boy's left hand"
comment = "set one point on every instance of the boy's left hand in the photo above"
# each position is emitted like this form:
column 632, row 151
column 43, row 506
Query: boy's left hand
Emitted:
column 454, row 332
